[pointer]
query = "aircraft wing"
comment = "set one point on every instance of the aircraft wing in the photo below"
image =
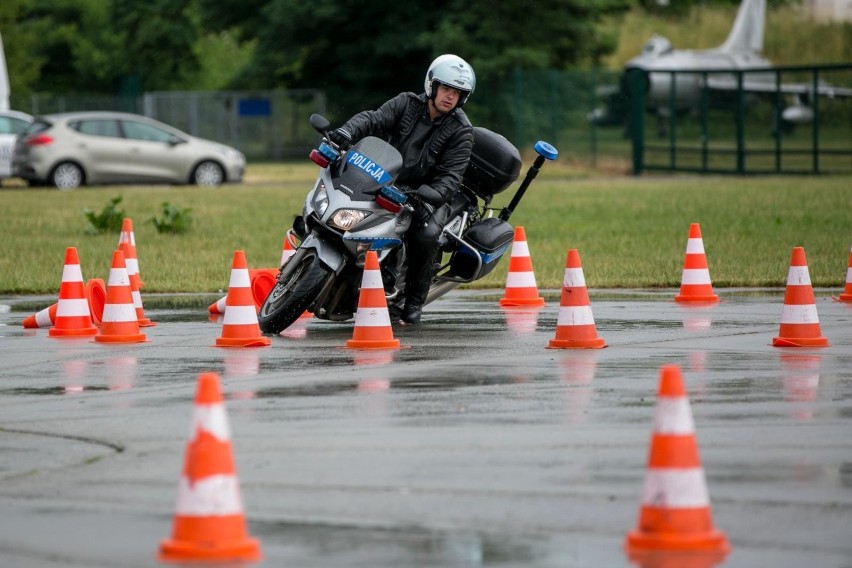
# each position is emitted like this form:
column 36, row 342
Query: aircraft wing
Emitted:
column 729, row 83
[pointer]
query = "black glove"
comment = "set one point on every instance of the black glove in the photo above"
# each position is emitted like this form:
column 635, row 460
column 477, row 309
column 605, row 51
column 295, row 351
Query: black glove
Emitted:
column 341, row 137
column 428, row 194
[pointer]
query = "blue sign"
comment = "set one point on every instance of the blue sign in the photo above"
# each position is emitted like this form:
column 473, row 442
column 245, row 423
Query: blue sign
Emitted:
column 369, row 167
column 254, row 107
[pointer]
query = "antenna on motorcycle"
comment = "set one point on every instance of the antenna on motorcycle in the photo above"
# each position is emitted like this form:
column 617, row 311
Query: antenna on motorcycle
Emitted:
column 545, row 152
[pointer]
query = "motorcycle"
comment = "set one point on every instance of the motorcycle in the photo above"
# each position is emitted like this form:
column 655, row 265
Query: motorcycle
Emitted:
column 355, row 206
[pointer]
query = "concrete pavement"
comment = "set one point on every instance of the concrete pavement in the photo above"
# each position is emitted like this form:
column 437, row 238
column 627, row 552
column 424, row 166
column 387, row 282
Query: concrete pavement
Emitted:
column 471, row 446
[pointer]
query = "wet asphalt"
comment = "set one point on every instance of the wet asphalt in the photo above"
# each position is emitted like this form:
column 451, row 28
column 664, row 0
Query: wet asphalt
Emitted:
column 472, row 445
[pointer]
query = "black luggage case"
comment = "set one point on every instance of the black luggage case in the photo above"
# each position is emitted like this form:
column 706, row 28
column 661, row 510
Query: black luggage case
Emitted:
column 491, row 238
column 494, row 164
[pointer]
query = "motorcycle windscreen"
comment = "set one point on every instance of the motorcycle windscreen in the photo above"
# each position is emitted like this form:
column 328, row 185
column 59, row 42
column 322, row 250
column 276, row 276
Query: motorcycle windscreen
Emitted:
column 369, row 165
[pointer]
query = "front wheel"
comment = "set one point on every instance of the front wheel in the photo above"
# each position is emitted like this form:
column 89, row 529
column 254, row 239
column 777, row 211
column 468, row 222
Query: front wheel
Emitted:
column 300, row 282
column 208, row 174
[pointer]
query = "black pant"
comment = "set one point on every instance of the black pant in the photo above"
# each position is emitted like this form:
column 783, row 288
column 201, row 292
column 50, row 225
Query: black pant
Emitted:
column 422, row 248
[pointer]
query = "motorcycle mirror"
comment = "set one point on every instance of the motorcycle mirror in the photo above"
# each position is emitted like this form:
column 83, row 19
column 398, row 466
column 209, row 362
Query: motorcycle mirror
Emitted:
column 320, row 123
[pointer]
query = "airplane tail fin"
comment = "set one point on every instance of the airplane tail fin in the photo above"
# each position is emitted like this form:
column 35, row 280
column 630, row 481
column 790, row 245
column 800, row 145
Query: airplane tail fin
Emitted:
column 4, row 80
column 747, row 33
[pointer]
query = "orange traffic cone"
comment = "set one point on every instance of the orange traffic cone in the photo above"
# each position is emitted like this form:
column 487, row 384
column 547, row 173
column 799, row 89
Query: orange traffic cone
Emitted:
column 372, row 320
column 575, row 325
column 846, row 296
column 799, row 318
column 134, row 289
column 73, row 317
column 42, row 318
column 287, row 251
column 120, row 323
column 209, row 524
column 262, row 282
column 675, row 513
column 218, row 307
column 240, row 327
column 127, row 237
column 95, row 294
column 521, row 289
column 695, row 285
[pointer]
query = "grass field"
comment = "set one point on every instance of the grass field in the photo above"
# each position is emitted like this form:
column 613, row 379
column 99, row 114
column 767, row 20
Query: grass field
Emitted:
column 630, row 232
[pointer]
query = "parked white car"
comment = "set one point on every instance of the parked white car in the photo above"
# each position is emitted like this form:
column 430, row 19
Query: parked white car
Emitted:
column 85, row 148
column 12, row 123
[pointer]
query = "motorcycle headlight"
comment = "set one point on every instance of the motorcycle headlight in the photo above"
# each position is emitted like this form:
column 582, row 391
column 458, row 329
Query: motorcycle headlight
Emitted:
column 345, row 219
column 320, row 199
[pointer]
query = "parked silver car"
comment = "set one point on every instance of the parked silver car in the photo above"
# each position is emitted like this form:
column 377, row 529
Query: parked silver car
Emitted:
column 12, row 123
column 85, row 148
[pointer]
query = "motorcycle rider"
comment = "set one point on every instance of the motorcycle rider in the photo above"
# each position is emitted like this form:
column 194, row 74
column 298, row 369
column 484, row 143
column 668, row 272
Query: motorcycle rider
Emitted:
column 435, row 138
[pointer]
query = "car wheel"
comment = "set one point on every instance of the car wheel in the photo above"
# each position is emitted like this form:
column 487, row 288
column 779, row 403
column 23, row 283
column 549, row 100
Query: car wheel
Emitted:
column 67, row 176
column 208, row 174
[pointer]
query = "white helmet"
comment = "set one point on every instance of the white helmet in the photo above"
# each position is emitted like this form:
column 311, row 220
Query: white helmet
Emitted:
column 451, row 71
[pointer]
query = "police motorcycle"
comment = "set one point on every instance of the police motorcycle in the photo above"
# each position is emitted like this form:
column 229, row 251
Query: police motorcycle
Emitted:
column 355, row 206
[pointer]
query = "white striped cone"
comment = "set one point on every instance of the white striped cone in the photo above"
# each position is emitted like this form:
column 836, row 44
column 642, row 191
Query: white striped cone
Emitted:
column 129, row 239
column 209, row 522
column 695, row 285
column 799, row 319
column 846, row 296
column 42, row 318
column 372, row 320
column 73, row 316
column 675, row 512
column 95, row 291
column 218, row 307
column 119, row 323
column 287, row 251
column 240, row 327
column 521, row 288
column 575, row 325
column 134, row 289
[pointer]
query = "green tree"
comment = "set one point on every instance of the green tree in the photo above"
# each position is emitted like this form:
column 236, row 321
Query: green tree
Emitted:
column 19, row 47
column 363, row 54
column 94, row 46
column 159, row 42
column 359, row 54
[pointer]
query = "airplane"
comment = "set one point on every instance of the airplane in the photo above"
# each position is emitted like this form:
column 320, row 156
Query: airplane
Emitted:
column 12, row 122
column 4, row 79
column 741, row 51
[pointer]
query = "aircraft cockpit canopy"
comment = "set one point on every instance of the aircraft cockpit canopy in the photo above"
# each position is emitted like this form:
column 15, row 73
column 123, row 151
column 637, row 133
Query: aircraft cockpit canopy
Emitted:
column 657, row 45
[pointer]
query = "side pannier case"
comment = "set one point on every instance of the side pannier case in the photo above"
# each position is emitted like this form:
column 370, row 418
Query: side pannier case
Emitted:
column 490, row 238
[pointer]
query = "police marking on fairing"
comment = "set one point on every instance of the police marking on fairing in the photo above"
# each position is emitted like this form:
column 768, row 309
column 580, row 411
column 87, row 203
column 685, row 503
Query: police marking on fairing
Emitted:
column 370, row 167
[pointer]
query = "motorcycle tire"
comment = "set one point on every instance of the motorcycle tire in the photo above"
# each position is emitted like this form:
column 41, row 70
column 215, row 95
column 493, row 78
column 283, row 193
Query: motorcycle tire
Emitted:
column 301, row 280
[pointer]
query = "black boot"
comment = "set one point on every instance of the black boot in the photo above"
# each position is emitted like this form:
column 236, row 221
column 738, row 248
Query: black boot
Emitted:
column 411, row 313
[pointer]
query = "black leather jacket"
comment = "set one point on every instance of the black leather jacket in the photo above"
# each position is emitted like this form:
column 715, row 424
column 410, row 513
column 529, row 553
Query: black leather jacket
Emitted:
column 434, row 153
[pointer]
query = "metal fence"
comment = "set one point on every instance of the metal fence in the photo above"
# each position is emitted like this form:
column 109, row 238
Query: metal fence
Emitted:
column 708, row 121
column 264, row 125
column 593, row 118
column 784, row 120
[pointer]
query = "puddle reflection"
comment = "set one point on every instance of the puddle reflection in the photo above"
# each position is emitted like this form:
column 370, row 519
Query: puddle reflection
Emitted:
column 675, row 559
column 121, row 372
column 74, row 375
column 801, row 382
column 412, row 548
column 577, row 368
column 521, row 320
